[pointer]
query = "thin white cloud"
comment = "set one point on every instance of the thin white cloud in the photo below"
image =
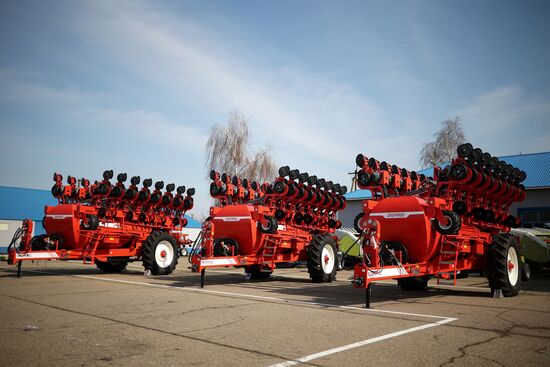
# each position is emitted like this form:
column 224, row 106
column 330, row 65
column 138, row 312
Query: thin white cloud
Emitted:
column 150, row 126
column 83, row 107
column 507, row 121
column 25, row 87
column 312, row 121
column 302, row 113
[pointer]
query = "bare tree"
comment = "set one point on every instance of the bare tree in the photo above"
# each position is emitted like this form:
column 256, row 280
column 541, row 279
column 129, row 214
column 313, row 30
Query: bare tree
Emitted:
column 227, row 151
column 443, row 148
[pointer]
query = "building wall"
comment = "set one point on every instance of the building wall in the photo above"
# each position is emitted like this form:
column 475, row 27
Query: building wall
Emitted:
column 347, row 215
column 534, row 211
column 7, row 230
column 534, row 199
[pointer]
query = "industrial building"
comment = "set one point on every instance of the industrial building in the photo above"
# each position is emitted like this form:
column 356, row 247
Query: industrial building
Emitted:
column 534, row 211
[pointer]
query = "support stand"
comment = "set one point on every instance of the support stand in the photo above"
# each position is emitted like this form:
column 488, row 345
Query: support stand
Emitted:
column 203, row 272
column 367, row 296
column 19, row 264
column 497, row 293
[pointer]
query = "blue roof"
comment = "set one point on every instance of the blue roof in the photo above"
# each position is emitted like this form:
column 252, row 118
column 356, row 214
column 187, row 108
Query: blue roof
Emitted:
column 358, row 195
column 192, row 222
column 536, row 165
column 19, row 203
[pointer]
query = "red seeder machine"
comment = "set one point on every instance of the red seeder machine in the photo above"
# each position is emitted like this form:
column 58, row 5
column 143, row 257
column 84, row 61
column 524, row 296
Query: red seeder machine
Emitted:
column 109, row 225
column 258, row 226
column 414, row 228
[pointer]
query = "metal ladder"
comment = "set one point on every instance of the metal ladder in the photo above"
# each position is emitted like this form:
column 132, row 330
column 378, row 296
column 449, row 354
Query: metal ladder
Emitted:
column 269, row 252
column 93, row 243
column 448, row 257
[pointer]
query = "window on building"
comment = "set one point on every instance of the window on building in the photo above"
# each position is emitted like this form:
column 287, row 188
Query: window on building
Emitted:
column 534, row 217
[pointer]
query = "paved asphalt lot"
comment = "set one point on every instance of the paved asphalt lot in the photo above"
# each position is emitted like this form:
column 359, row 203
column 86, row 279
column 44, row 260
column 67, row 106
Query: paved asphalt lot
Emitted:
column 71, row 314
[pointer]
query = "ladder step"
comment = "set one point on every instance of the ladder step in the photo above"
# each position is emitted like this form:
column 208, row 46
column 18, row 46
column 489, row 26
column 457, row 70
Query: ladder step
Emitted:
column 447, row 262
column 448, row 252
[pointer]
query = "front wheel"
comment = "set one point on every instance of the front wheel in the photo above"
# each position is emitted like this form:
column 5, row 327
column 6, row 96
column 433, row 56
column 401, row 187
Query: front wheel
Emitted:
column 525, row 272
column 413, row 283
column 111, row 265
column 321, row 259
column 91, row 223
column 503, row 265
column 258, row 273
column 271, row 225
column 159, row 253
column 452, row 223
column 357, row 222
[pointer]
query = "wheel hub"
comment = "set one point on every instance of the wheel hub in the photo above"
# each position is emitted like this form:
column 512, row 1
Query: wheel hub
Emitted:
column 512, row 265
column 164, row 254
column 327, row 259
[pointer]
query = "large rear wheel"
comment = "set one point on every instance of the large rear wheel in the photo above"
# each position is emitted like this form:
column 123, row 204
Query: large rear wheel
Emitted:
column 159, row 253
column 503, row 265
column 321, row 259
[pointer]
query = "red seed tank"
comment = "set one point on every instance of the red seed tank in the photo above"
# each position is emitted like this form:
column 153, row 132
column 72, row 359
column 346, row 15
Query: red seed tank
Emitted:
column 235, row 222
column 402, row 219
column 65, row 220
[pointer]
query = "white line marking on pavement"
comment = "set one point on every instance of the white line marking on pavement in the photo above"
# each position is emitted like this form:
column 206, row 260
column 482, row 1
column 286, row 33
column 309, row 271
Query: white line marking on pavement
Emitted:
column 361, row 343
column 305, row 277
column 443, row 319
column 248, row 296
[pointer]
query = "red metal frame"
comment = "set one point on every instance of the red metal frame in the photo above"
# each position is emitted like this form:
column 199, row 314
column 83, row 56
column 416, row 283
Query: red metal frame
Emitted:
column 295, row 205
column 408, row 203
column 101, row 221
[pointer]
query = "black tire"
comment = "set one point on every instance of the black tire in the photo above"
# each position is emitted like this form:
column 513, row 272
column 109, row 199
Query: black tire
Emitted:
column 363, row 178
column 534, row 267
column 525, row 272
column 358, row 217
column 280, row 214
column 256, row 273
column 459, row 172
column 453, row 223
column 413, row 283
column 502, row 259
column 464, row 150
column 271, row 225
column 279, row 187
column 225, row 247
column 322, row 259
column 149, row 254
column 93, row 222
column 460, row 207
column 112, row 265
column 38, row 243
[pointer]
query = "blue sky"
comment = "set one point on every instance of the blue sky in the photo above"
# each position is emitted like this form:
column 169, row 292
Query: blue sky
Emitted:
column 135, row 86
